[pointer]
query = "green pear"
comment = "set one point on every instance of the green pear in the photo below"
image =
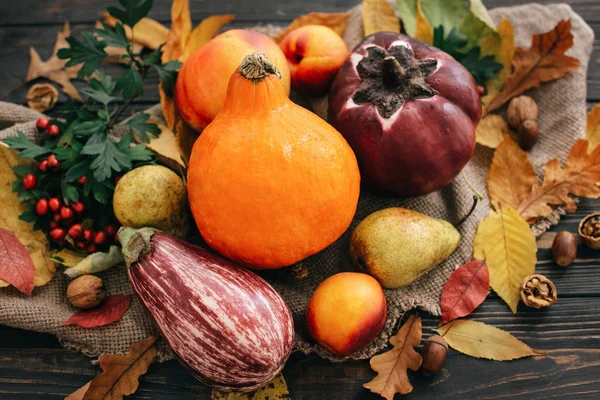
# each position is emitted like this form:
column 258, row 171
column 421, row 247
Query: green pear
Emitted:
column 397, row 246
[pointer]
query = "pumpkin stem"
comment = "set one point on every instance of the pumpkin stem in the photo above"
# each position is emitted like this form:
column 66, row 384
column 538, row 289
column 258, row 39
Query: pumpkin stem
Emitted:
column 257, row 66
column 393, row 72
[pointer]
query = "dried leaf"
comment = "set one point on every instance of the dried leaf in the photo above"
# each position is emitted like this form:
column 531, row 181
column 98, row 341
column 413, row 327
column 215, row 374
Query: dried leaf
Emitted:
column 504, row 55
column 147, row 33
column 79, row 393
column 109, row 311
column 54, row 68
column 578, row 178
column 179, row 34
column 379, row 16
column 41, row 97
column 68, row 258
column 35, row 241
column 121, row 372
column 207, row 29
column 391, row 366
column 335, row 21
column 169, row 109
column 186, row 137
column 464, row 290
column 479, row 10
column 511, row 176
column 480, row 340
column 592, row 128
column 506, row 243
column 96, row 262
column 491, row 131
column 166, row 147
column 423, row 30
column 16, row 266
column 275, row 390
column 543, row 62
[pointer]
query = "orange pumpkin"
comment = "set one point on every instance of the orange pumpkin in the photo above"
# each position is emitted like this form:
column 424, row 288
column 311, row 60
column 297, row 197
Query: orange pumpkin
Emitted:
column 269, row 182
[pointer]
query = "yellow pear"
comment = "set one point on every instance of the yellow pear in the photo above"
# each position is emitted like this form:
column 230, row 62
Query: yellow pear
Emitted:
column 397, row 246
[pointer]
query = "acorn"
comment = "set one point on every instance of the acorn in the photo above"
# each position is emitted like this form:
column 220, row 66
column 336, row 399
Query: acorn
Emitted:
column 527, row 134
column 564, row 248
column 434, row 355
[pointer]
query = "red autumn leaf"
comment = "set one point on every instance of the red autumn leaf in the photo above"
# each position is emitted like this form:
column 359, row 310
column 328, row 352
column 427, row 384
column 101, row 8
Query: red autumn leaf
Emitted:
column 465, row 290
column 109, row 311
column 16, row 265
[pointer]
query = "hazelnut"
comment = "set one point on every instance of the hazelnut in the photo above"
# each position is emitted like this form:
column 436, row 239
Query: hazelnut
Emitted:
column 564, row 248
column 521, row 109
column 527, row 134
column 434, row 355
column 87, row 291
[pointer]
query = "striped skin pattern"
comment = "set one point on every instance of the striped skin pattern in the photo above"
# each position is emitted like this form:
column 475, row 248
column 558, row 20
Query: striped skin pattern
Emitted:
column 227, row 325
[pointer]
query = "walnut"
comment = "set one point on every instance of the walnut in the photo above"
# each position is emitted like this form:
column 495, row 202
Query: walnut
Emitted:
column 87, row 291
column 521, row 109
column 537, row 291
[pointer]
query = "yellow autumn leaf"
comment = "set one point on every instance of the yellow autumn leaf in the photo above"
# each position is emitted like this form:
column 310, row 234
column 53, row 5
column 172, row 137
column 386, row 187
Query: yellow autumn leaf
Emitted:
column 179, row 34
column 35, row 241
column 207, row 29
column 504, row 54
column 423, row 30
column 491, row 130
column 335, row 21
column 147, row 32
column 68, row 258
column 480, row 340
column 506, row 243
column 275, row 390
column 166, row 147
column 379, row 16
column 592, row 128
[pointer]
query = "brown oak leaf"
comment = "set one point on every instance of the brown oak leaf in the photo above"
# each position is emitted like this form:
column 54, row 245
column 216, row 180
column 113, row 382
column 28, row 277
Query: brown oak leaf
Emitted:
column 16, row 265
column 109, row 311
column 121, row 372
column 511, row 175
column 543, row 62
column 54, row 68
column 592, row 127
column 578, row 178
column 335, row 21
column 392, row 366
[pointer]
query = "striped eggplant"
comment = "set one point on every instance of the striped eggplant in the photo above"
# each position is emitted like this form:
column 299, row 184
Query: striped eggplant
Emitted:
column 226, row 325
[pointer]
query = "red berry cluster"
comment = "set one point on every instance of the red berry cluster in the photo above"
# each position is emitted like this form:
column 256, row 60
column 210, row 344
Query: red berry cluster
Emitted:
column 68, row 223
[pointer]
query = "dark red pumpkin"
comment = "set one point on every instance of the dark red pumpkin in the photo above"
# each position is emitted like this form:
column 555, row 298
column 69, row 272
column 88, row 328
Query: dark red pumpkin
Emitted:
column 409, row 112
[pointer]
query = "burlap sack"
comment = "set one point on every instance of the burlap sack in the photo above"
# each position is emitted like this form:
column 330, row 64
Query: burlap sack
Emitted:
column 562, row 120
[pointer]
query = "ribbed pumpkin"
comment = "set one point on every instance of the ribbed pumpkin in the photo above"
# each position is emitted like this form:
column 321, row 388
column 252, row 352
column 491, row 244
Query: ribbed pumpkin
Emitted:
column 269, row 182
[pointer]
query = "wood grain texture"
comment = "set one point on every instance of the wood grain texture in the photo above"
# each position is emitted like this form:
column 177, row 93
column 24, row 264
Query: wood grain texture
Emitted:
column 35, row 366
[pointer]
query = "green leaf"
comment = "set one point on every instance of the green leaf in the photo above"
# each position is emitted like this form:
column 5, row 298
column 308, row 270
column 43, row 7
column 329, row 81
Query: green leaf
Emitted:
column 77, row 170
column 140, row 126
column 27, row 149
column 22, row 170
column 407, row 9
column 98, row 95
column 168, row 75
column 153, row 58
column 89, row 128
column 102, row 191
column 102, row 81
column 115, row 37
column 89, row 52
column 26, row 195
column 28, row 216
column 134, row 11
column 135, row 153
column 68, row 155
column 69, row 192
column 482, row 69
column 450, row 14
column 131, row 83
column 108, row 158
column 451, row 44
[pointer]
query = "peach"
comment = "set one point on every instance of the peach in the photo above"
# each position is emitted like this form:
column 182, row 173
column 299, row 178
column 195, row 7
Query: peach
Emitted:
column 203, row 78
column 314, row 54
column 346, row 312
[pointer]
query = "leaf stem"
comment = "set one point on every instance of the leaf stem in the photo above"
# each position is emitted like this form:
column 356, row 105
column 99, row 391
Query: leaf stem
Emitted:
column 475, row 192
column 117, row 113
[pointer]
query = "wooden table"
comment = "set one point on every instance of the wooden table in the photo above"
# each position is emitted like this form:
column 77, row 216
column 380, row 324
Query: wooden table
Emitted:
column 35, row 366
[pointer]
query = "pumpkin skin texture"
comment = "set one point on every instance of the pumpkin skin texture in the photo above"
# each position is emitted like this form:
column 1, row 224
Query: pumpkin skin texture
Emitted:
column 269, row 182
column 409, row 112
column 203, row 78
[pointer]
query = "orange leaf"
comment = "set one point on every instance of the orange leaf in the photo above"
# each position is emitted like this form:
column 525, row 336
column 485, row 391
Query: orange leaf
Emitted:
column 578, row 178
column 179, row 34
column 392, row 366
column 16, row 265
column 511, row 175
column 543, row 62
column 79, row 393
column 205, row 31
column 335, row 21
column 592, row 127
column 147, row 32
column 109, row 311
column 121, row 372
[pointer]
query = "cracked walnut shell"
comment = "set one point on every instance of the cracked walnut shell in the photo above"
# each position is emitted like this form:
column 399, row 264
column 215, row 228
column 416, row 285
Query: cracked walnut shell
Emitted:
column 537, row 291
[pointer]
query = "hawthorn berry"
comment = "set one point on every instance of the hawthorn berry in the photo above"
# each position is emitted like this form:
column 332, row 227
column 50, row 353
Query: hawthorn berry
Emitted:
column 29, row 181
column 53, row 224
column 100, row 237
column 66, row 212
column 91, row 248
column 75, row 230
column 80, row 245
column 87, row 234
column 54, row 204
column 41, row 207
column 57, row 234
column 56, row 218
column 53, row 163
column 44, row 165
column 43, row 123
column 77, row 207
column 82, row 180
column 53, row 130
column 110, row 230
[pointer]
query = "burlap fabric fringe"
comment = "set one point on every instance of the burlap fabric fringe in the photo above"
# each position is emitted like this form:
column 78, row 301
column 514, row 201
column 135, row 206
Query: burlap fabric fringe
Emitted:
column 562, row 105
